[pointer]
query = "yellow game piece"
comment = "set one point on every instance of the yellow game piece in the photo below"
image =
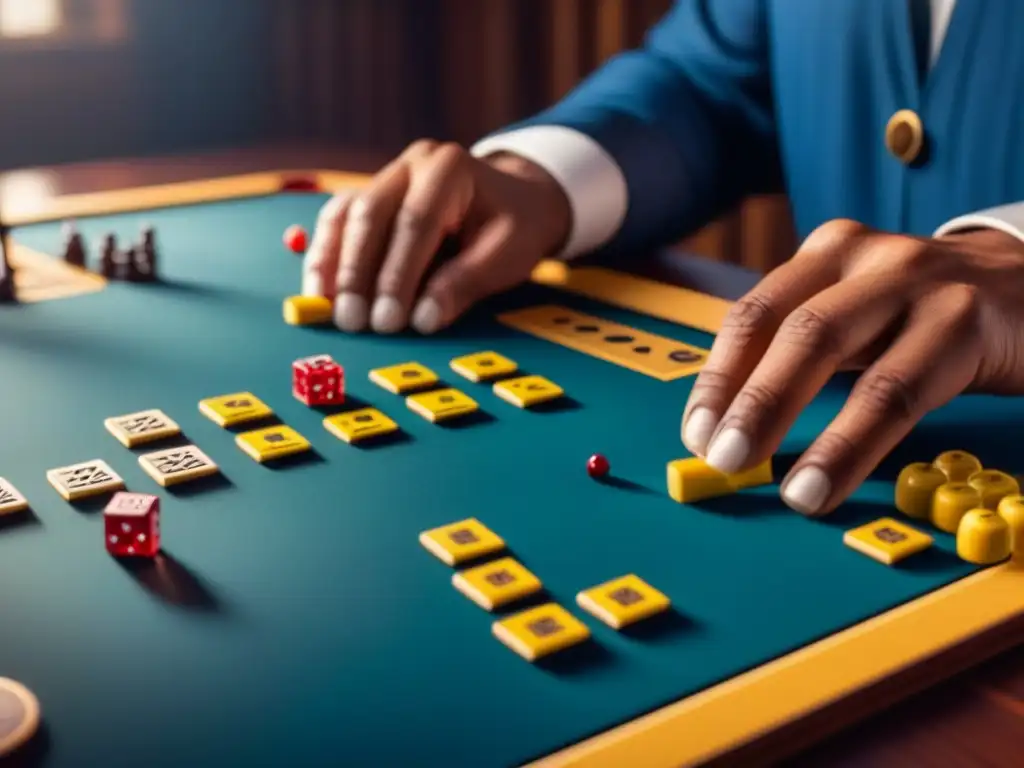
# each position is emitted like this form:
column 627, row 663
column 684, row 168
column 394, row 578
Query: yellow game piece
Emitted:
column 957, row 466
column 1011, row 509
column 527, row 391
column 993, row 485
column 143, row 427
column 362, row 424
column 406, row 377
column 11, row 499
column 950, row 502
column 79, row 481
column 983, row 537
column 272, row 443
column 483, row 366
column 915, row 488
column 307, row 310
column 623, row 601
column 655, row 356
column 540, row 631
column 441, row 404
column 497, row 583
column 887, row 540
column 461, row 542
column 691, row 480
column 237, row 408
column 178, row 465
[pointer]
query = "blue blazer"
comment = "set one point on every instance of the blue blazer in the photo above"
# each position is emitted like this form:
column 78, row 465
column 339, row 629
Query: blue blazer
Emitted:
column 734, row 97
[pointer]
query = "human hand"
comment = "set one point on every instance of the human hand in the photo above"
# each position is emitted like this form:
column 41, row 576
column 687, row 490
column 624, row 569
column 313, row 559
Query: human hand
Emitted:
column 925, row 319
column 372, row 248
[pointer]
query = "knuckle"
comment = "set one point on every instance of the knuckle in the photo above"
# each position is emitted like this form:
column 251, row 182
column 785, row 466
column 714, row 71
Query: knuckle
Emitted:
column 331, row 212
column 420, row 148
column 759, row 399
column 417, row 222
column 910, row 257
column 363, row 210
column 749, row 315
column 888, row 394
column 450, row 155
column 832, row 448
column 808, row 327
column 833, row 232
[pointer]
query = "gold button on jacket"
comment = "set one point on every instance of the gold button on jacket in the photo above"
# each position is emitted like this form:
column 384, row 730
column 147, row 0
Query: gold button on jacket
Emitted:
column 904, row 136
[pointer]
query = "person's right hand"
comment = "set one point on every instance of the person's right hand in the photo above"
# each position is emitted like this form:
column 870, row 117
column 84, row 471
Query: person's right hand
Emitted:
column 372, row 246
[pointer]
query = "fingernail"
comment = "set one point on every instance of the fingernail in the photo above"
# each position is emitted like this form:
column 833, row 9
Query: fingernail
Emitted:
column 698, row 429
column 426, row 318
column 350, row 312
column 387, row 315
column 729, row 451
column 312, row 283
column 807, row 490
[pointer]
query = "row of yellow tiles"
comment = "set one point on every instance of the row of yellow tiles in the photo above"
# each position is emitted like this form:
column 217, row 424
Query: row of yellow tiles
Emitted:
column 544, row 629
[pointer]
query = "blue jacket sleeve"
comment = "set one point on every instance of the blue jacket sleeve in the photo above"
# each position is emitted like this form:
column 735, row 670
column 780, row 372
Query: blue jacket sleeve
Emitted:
column 687, row 117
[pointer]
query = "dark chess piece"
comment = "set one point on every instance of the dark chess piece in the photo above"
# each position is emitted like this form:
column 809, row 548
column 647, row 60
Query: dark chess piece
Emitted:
column 124, row 265
column 108, row 256
column 74, row 246
column 145, row 255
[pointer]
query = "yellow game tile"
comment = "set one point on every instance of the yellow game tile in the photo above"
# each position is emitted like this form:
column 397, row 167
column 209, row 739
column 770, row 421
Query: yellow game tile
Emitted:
column 527, row 391
column 307, row 310
column 11, row 499
column 623, row 601
column 483, row 366
column 497, row 583
column 541, row 631
column 692, row 479
column 237, row 408
column 178, row 465
column 887, row 540
column 460, row 542
column 134, row 429
column 362, row 424
column 79, row 481
column 441, row 404
column 272, row 443
column 402, row 378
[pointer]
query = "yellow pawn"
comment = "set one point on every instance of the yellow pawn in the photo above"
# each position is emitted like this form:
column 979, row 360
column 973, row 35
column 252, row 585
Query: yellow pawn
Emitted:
column 691, row 480
column 957, row 465
column 993, row 485
column 983, row 537
column 307, row 310
column 1011, row 509
column 950, row 502
column 915, row 488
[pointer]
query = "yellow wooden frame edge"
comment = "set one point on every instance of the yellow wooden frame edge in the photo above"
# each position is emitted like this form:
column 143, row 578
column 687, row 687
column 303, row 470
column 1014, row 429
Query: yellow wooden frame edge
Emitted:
column 735, row 712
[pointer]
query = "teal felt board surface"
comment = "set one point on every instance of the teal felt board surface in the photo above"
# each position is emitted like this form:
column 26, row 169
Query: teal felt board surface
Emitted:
column 295, row 619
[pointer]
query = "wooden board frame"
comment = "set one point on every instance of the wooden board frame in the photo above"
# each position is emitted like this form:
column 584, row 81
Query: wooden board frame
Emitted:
column 772, row 710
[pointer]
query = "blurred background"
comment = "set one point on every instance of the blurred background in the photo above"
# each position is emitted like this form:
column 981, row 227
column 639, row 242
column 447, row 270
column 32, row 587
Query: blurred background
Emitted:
column 83, row 81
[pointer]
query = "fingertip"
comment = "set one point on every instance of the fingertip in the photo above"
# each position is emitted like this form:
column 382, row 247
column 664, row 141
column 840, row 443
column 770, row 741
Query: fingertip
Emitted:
column 388, row 315
column 697, row 430
column 350, row 312
column 427, row 316
column 807, row 490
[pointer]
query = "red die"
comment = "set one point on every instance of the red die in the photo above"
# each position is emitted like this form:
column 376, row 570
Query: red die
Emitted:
column 132, row 525
column 318, row 380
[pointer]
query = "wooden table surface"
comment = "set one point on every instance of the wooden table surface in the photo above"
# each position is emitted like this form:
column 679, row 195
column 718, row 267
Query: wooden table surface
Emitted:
column 973, row 719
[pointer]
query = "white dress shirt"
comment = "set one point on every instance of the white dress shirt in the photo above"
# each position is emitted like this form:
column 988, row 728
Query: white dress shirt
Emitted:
column 599, row 196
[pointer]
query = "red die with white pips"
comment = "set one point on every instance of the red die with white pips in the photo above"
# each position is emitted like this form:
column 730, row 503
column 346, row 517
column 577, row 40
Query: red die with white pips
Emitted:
column 318, row 380
column 131, row 524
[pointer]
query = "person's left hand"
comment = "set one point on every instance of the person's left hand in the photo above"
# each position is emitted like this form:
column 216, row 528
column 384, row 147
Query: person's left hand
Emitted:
column 925, row 319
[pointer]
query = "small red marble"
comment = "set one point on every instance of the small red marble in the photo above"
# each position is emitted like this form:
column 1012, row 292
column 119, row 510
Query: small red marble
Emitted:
column 598, row 466
column 295, row 239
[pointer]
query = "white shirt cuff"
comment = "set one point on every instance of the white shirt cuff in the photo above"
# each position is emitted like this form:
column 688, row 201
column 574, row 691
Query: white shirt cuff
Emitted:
column 592, row 180
column 1005, row 218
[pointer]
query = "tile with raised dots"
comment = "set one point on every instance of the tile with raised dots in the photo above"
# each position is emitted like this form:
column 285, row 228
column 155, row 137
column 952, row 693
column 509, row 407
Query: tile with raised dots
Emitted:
column 142, row 427
column 497, row 583
column 887, row 540
column 442, row 404
column 527, row 391
column 11, row 499
column 178, row 465
column 462, row 541
column 236, row 408
column 272, row 443
column 483, row 366
column 404, row 377
column 359, row 425
column 88, row 478
column 623, row 601
column 541, row 631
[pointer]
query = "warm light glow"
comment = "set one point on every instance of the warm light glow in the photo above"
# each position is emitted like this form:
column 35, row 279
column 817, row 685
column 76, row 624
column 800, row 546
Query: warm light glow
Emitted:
column 29, row 18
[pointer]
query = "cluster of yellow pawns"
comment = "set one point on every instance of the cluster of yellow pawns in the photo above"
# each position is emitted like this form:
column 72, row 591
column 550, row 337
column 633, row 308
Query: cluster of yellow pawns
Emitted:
column 540, row 631
column 956, row 494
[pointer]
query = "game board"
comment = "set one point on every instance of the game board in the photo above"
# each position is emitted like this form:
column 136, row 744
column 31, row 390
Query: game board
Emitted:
column 295, row 618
